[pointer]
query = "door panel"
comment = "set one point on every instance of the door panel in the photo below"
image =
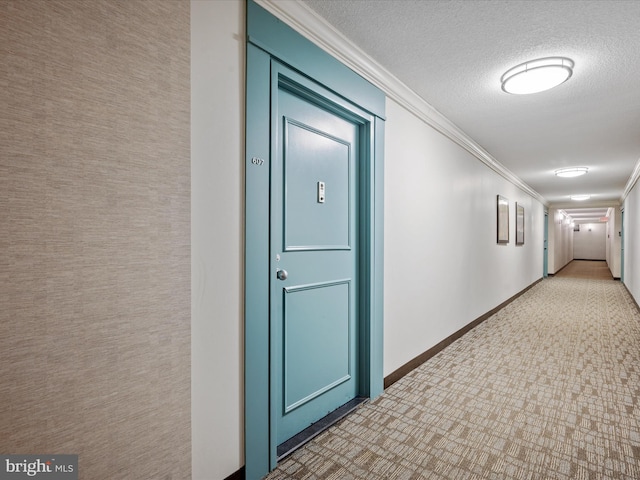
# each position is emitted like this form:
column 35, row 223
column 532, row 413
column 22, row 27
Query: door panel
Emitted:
column 313, row 361
column 312, row 156
column 314, row 240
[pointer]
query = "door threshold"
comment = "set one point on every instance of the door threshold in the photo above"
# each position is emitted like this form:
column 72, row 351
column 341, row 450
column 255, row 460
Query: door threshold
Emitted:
column 287, row 447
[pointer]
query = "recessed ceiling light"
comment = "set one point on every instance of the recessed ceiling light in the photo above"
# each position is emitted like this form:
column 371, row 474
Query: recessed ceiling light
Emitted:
column 571, row 172
column 580, row 197
column 537, row 75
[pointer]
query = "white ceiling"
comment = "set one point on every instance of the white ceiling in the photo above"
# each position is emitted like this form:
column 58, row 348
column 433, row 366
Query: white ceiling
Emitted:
column 452, row 53
column 586, row 215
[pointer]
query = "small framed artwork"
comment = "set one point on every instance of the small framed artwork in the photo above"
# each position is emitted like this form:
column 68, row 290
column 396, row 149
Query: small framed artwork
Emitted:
column 519, row 224
column 503, row 220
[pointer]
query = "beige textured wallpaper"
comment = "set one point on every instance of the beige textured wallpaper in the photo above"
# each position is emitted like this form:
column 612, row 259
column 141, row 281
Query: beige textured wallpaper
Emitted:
column 95, row 234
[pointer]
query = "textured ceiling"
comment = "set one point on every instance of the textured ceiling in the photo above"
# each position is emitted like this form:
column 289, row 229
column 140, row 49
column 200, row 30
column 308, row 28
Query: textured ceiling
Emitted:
column 453, row 53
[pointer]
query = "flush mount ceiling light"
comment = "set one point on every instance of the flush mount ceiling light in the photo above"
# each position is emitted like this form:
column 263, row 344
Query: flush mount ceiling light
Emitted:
column 580, row 198
column 537, row 75
column 571, row 172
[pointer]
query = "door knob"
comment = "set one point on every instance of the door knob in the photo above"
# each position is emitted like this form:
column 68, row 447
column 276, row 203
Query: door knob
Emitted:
column 282, row 274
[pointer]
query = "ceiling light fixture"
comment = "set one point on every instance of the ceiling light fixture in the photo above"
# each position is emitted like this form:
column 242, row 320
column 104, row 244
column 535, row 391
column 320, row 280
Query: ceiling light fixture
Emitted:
column 580, row 198
column 571, row 172
column 537, row 75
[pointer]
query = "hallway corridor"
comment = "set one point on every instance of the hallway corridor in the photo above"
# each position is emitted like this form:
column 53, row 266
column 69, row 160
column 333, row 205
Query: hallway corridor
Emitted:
column 547, row 388
column 593, row 269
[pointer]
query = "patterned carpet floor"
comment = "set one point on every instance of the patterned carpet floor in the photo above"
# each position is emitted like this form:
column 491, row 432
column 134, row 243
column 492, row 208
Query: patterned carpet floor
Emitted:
column 586, row 269
column 547, row 388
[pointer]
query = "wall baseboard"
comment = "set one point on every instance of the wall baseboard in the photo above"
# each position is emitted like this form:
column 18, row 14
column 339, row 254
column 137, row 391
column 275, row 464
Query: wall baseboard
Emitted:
column 239, row 475
column 423, row 357
column 632, row 297
column 560, row 269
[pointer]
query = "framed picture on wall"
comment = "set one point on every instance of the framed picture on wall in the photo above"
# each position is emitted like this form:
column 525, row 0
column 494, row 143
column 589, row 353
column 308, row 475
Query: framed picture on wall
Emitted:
column 519, row 224
column 503, row 220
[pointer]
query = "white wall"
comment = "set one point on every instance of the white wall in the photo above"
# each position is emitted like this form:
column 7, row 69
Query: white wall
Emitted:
column 217, row 146
column 632, row 240
column 443, row 267
column 590, row 242
column 560, row 240
column 614, row 241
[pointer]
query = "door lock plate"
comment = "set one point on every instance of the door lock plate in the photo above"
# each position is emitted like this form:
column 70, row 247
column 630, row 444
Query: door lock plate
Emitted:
column 320, row 192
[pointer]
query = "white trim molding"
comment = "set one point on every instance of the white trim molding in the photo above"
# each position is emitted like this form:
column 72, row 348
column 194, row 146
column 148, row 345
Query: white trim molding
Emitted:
column 631, row 182
column 306, row 22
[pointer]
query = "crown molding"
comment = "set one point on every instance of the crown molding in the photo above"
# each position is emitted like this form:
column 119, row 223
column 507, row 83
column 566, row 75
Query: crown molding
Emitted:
column 633, row 179
column 586, row 204
column 306, row 22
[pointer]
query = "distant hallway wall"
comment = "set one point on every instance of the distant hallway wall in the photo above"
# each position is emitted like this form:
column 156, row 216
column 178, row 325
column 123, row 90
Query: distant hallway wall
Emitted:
column 590, row 242
column 560, row 240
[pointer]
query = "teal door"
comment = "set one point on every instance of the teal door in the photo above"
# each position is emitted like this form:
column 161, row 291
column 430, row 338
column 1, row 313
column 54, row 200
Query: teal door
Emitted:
column 304, row 333
column 545, row 241
column 622, row 246
column 314, row 240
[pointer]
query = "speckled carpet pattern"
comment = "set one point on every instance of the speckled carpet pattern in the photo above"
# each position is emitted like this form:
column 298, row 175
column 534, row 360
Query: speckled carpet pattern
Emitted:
column 586, row 269
column 547, row 388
